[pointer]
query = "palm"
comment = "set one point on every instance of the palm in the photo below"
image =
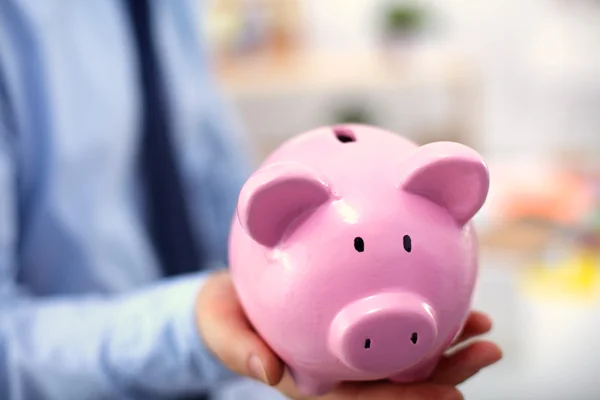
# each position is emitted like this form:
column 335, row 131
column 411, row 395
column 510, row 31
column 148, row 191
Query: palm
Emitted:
column 452, row 370
column 221, row 319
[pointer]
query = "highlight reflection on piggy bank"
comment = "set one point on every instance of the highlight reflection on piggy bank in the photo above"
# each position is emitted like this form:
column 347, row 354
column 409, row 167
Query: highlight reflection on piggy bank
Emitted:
column 353, row 253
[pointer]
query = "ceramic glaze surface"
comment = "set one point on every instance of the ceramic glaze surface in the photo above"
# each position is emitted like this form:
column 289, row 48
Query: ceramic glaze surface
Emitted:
column 353, row 253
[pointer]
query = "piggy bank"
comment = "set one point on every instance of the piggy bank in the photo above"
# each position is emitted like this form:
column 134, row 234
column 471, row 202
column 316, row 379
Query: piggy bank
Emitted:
column 353, row 254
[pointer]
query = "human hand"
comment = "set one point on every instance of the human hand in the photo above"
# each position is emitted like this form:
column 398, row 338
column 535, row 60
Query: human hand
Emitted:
column 220, row 318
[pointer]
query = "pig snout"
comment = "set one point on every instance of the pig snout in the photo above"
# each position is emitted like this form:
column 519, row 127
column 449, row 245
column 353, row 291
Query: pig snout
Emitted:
column 384, row 333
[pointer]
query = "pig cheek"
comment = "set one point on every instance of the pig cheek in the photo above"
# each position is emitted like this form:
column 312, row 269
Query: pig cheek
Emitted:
column 286, row 304
column 279, row 282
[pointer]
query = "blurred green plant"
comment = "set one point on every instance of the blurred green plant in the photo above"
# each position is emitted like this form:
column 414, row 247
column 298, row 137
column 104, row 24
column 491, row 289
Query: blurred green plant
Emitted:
column 403, row 19
column 353, row 115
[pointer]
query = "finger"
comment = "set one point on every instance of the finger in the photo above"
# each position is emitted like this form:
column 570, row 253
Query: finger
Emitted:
column 457, row 368
column 228, row 334
column 477, row 324
column 388, row 391
column 374, row 390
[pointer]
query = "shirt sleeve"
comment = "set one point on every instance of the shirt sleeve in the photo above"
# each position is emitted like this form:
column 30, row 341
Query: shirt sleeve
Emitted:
column 140, row 345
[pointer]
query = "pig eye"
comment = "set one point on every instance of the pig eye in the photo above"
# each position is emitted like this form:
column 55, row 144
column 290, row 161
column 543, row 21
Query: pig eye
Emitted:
column 407, row 243
column 359, row 244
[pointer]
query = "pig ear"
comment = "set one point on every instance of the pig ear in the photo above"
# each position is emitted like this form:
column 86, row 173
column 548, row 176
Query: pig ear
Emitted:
column 451, row 175
column 275, row 196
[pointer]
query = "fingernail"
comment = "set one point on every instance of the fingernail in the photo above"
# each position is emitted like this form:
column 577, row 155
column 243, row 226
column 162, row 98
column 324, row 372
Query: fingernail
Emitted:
column 256, row 369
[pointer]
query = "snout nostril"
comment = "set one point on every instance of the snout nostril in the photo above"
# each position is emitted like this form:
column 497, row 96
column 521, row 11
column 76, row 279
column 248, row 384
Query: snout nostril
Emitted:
column 367, row 343
column 414, row 337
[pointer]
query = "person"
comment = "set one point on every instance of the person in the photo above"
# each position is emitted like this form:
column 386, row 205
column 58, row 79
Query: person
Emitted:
column 120, row 167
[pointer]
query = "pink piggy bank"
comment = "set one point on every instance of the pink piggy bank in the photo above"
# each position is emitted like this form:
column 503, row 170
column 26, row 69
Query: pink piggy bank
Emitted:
column 353, row 254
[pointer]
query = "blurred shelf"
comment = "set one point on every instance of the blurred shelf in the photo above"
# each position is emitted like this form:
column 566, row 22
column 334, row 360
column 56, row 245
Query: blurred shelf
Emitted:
column 301, row 72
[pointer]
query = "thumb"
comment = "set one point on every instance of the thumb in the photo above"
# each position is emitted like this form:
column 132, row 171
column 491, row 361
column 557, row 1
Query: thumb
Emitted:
column 227, row 332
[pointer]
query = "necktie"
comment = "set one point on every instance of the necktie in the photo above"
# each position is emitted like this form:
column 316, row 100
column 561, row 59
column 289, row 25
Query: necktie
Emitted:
column 169, row 222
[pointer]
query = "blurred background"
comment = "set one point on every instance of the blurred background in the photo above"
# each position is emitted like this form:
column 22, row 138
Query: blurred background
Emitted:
column 518, row 80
